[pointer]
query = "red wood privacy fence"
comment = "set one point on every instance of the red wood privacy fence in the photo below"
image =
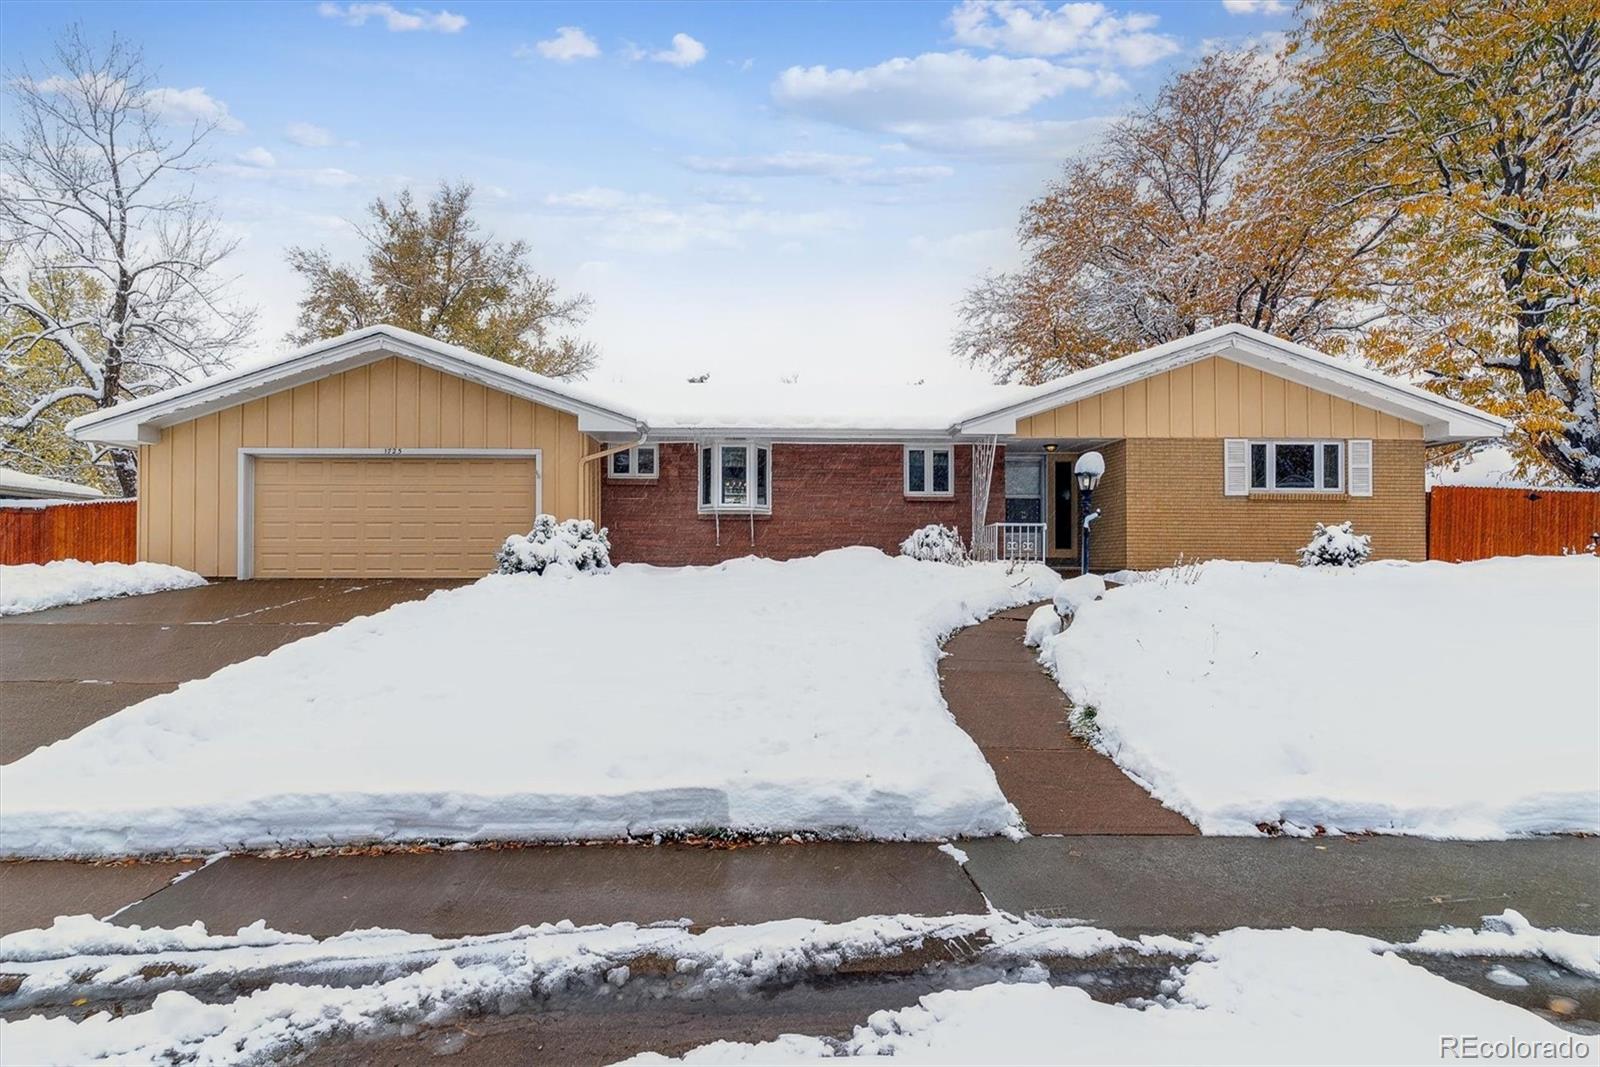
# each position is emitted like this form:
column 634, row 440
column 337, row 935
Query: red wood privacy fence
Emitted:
column 99, row 532
column 1470, row 523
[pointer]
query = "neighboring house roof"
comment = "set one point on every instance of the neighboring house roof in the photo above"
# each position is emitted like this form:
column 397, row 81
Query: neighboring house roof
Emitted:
column 1442, row 420
column 790, row 411
column 17, row 485
column 135, row 421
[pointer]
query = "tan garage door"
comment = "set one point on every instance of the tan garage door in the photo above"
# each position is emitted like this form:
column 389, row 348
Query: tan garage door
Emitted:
column 348, row 517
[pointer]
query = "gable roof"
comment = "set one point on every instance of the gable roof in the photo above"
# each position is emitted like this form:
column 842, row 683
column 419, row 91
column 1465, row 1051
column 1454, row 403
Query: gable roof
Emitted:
column 1442, row 420
column 141, row 420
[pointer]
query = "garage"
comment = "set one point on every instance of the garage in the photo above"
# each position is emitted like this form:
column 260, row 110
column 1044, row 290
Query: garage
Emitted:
column 333, row 516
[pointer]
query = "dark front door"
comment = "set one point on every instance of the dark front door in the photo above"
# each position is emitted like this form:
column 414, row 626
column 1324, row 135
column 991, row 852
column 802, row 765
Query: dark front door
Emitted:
column 1063, row 535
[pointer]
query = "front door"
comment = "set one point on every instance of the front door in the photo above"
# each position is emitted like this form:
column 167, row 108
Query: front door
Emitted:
column 1063, row 511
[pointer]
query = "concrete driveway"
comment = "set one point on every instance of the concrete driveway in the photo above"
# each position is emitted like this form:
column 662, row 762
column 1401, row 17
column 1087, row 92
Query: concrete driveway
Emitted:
column 65, row 668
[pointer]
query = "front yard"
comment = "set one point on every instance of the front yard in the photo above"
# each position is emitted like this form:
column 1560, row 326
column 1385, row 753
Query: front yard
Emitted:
column 753, row 696
column 1449, row 700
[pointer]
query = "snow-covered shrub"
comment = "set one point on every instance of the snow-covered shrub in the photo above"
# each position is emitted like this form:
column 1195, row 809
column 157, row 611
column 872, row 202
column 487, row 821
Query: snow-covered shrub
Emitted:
column 936, row 544
column 1073, row 593
column 1336, row 546
column 1043, row 624
column 572, row 545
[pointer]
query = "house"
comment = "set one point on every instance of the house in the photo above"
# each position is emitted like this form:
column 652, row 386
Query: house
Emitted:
column 382, row 452
column 19, row 485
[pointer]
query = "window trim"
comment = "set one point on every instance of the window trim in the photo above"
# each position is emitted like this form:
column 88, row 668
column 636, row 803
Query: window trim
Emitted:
column 715, row 507
column 632, row 474
column 1318, row 465
column 927, row 472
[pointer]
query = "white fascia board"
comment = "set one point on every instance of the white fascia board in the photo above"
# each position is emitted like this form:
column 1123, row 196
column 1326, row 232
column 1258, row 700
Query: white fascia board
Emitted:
column 141, row 420
column 818, row 435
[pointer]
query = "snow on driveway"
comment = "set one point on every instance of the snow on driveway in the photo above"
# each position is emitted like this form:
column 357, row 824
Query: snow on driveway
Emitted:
column 753, row 696
column 27, row 587
column 1450, row 700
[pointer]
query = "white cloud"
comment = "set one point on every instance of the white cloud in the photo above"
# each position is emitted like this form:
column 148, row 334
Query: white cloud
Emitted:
column 897, row 175
column 971, row 245
column 933, row 87
column 1006, row 138
column 639, row 222
column 1256, row 7
column 192, row 105
column 299, row 177
column 308, row 135
column 777, row 164
column 1081, row 31
column 396, row 20
column 601, row 198
column 569, row 43
column 257, row 157
column 685, row 52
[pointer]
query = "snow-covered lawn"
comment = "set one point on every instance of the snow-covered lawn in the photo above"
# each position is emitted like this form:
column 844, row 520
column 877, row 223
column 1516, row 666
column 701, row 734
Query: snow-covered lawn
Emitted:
column 26, row 587
column 1451, row 700
column 1244, row 996
column 753, row 696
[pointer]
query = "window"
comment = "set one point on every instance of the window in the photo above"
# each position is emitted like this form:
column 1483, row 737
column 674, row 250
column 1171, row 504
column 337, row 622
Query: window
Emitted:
column 929, row 471
column 637, row 462
column 1297, row 466
column 1024, row 490
column 736, row 476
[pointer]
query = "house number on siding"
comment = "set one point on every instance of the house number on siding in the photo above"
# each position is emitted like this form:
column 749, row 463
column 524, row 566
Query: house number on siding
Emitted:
column 392, row 451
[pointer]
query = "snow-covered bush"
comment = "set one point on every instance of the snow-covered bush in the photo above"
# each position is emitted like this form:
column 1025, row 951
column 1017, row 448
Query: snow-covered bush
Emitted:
column 1073, row 593
column 936, row 544
column 572, row 545
column 1043, row 624
column 1336, row 546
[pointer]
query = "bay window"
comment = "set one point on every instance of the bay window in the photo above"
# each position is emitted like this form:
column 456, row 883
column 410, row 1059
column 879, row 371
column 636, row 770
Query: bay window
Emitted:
column 736, row 476
column 929, row 470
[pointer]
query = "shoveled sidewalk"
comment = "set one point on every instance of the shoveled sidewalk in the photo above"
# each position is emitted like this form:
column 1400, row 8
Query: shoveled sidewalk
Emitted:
column 1390, row 887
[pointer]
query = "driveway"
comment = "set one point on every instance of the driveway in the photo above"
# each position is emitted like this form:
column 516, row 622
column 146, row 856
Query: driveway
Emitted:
column 65, row 668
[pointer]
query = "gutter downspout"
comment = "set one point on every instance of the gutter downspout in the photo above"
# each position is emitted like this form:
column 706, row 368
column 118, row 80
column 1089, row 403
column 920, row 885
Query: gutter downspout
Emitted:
column 602, row 454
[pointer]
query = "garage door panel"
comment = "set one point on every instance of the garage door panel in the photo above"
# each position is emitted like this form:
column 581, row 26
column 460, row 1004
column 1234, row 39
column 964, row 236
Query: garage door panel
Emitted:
column 381, row 516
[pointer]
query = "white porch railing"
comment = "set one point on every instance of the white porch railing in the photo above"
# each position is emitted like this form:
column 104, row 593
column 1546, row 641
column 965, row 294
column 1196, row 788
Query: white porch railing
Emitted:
column 1022, row 541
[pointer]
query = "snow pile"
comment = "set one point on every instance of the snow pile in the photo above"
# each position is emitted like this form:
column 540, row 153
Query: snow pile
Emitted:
column 1511, row 934
column 1241, row 996
column 26, row 587
column 753, row 696
column 1450, row 700
column 1336, row 546
column 1043, row 624
column 935, row 544
column 572, row 546
column 1257, row 996
column 1073, row 593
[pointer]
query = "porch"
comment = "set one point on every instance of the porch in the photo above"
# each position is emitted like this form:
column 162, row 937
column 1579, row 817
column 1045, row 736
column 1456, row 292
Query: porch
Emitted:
column 1043, row 518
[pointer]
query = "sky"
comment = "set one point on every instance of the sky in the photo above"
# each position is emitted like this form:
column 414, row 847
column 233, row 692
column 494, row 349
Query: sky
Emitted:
column 751, row 190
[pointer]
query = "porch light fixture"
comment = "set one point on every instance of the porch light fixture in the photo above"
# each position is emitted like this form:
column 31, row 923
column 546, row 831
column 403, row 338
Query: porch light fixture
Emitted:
column 1088, row 471
column 1051, row 446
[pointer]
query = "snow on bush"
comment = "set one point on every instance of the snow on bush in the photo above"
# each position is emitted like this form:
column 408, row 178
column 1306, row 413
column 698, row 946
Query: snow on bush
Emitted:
column 1043, row 624
column 935, row 544
column 1073, row 593
column 1260, row 693
column 574, row 545
column 26, row 587
column 1336, row 546
column 780, row 695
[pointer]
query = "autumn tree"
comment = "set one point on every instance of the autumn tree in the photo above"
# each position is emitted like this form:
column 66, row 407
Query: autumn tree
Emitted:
column 1483, row 117
column 1216, row 203
column 109, row 283
column 429, row 269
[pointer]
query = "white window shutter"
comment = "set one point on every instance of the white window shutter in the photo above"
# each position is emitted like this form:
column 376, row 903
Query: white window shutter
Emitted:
column 1360, row 468
column 1235, row 467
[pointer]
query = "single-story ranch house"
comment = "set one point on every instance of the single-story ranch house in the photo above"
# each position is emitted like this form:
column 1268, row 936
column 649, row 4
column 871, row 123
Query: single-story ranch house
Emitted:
column 382, row 452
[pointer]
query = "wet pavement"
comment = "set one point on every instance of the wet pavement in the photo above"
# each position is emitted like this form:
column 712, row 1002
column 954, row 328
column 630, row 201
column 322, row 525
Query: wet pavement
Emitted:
column 68, row 667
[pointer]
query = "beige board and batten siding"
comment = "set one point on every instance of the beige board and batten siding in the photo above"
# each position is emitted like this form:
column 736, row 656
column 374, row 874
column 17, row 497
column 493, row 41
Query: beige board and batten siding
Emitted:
column 1216, row 397
column 189, row 488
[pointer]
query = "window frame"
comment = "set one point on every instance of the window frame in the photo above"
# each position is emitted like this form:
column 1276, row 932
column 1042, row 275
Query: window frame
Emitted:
column 1318, row 447
column 927, row 451
column 632, row 474
column 715, row 506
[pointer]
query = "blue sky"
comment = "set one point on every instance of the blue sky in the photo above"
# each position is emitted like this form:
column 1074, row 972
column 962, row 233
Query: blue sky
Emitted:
column 753, row 190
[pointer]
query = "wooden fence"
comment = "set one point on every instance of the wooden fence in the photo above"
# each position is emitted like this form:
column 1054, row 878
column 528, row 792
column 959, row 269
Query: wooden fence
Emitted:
column 1471, row 523
column 104, row 531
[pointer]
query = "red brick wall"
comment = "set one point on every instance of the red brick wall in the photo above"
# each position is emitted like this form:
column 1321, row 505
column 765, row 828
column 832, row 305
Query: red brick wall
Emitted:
column 823, row 497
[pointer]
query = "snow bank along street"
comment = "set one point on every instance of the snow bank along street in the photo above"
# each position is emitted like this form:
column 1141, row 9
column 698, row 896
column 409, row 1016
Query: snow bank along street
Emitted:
column 1246, row 995
column 26, row 587
column 1450, row 700
column 753, row 696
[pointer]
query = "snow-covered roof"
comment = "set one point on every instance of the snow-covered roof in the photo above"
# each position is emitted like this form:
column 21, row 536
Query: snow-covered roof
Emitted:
column 1442, row 420
column 803, row 411
column 17, row 484
column 135, row 421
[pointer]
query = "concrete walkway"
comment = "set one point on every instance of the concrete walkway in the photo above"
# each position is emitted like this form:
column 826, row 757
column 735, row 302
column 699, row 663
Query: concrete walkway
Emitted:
column 1018, row 716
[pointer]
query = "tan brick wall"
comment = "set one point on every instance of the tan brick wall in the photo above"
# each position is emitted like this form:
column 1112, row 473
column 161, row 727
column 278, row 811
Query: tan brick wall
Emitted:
column 1175, row 507
column 1108, row 537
